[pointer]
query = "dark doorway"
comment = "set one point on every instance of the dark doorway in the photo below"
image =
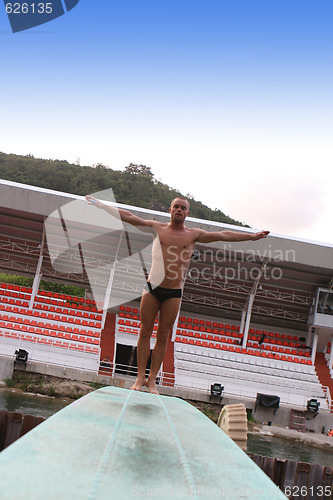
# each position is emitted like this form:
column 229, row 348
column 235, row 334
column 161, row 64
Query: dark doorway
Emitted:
column 126, row 362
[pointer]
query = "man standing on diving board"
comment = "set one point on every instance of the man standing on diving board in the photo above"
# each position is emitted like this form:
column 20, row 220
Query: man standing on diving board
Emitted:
column 176, row 242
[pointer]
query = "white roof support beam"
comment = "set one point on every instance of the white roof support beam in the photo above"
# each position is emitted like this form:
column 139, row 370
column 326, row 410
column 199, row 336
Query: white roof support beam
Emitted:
column 331, row 354
column 330, row 286
column 110, row 285
column 38, row 273
column 249, row 304
column 314, row 346
column 248, row 319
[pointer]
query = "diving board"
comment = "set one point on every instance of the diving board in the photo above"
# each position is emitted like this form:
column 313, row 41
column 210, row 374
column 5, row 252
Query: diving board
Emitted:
column 120, row 444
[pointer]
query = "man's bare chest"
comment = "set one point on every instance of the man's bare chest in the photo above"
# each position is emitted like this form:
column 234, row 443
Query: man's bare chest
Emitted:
column 177, row 239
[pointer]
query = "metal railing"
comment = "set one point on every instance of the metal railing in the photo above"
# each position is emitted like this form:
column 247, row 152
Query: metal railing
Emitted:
column 201, row 383
column 327, row 395
column 72, row 355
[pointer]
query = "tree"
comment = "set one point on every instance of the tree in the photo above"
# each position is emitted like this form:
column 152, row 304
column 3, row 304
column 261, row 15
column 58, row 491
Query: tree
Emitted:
column 135, row 169
column 100, row 166
column 135, row 186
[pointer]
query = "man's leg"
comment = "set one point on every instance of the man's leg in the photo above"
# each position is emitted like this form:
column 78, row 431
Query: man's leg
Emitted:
column 168, row 314
column 148, row 310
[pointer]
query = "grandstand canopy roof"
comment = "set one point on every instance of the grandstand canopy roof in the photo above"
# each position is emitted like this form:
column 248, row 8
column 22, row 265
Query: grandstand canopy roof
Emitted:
column 285, row 272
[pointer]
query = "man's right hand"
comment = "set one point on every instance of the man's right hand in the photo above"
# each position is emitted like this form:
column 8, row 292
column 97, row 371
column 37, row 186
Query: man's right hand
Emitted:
column 93, row 201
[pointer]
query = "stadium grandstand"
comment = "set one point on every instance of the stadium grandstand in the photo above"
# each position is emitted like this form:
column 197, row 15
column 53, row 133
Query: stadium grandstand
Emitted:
column 256, row 317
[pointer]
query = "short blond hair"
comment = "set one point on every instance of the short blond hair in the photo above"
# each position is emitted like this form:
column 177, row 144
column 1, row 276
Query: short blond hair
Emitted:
column 180, row 198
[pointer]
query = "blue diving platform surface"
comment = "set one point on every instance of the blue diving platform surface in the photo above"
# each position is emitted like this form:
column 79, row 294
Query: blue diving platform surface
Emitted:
column 120, row 444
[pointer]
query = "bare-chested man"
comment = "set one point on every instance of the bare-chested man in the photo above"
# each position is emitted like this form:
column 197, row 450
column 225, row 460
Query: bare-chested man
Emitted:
column 176, row 243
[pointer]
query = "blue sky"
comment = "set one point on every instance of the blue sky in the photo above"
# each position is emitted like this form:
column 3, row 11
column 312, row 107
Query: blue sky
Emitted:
column 229, row 101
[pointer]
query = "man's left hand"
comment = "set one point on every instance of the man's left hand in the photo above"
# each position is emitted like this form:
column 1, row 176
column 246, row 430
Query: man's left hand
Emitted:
column 260, row 235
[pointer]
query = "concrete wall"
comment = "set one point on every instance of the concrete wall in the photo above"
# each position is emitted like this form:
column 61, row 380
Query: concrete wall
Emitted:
column 282, row 417
column 261, row 415
column 6, row 367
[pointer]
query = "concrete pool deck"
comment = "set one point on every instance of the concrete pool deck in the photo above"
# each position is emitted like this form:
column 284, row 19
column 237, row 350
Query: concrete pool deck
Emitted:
column 310, row 438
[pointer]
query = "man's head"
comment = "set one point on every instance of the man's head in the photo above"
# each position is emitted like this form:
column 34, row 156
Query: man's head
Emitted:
column 179, row 210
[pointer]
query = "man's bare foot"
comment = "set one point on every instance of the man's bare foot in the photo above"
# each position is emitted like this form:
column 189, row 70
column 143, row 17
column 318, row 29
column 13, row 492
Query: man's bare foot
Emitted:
column 151, row 384
column 138, row 384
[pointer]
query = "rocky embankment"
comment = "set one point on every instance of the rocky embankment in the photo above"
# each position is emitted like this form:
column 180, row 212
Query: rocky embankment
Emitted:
column 50, row 386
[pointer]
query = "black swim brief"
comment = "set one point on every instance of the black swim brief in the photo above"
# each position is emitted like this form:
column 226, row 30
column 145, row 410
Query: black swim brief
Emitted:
column 162, row 294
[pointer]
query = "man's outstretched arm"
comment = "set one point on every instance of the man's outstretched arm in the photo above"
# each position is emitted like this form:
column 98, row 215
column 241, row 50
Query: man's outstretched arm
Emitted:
column 124, row 215
column 210, row 237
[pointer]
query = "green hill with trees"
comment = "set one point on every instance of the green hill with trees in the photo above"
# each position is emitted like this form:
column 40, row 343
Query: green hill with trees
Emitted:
column 135, row 186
